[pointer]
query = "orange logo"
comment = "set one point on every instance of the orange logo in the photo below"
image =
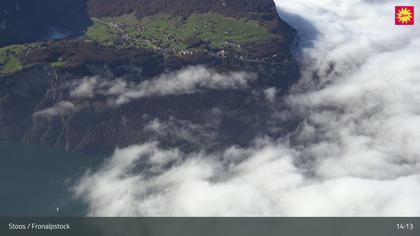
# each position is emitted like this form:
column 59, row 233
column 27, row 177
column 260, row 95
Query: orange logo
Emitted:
column 404, row 15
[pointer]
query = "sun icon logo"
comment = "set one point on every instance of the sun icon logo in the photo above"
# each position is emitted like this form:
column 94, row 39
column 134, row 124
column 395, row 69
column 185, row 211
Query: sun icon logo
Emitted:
column 404, row 15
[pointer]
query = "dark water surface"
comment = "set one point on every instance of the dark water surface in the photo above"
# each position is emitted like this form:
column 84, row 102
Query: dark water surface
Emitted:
column 35, row 181
column 56, row 33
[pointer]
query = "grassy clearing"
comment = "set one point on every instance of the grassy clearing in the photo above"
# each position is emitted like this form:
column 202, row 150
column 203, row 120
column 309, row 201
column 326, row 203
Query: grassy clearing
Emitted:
column 220, row 31
column 163, row 31
column 9, row 59
column 101, row 33
column 58, row 64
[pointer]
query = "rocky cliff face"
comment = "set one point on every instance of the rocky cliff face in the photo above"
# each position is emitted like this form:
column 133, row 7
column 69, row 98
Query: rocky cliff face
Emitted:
column 37, row 106
column 105, row 97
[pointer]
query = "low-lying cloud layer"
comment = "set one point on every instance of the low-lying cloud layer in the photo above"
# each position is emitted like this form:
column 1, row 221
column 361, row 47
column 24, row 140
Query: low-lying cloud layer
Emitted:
column 355, row 154
column 263, row 180
column 186, row 81
column 62, row 108
column 117, row 92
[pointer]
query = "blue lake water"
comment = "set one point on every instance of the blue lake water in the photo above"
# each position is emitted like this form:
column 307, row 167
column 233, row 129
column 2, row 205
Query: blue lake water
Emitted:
column 35, row 181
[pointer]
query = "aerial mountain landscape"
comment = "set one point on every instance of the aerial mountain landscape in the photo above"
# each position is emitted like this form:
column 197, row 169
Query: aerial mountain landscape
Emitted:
column 136, row 41
column 209, row 108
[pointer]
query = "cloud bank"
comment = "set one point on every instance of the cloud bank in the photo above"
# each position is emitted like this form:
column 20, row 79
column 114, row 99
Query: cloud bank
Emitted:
column 117, row 92
column 189, row 80
column 260, row 181
column 355, row 153
column 363, row 110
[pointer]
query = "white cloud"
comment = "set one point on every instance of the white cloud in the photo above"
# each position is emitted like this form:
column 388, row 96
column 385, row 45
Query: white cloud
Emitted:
column 117, row 92
column 60, row 109
column 271, row 94
column 366, row 110
column 262, row 181
column 185, row 81
column 357, row 150
column 177, row 129
column 84, row 88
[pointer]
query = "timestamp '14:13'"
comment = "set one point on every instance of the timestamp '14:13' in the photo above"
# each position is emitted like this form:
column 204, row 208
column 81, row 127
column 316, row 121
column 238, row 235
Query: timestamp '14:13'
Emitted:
column 406, row 226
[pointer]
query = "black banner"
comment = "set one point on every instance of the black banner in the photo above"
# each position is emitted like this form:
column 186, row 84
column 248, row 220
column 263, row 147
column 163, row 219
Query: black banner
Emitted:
column 211, row 226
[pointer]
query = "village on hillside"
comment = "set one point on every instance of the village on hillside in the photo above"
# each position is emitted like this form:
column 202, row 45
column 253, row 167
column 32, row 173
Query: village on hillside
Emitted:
column 158, row 34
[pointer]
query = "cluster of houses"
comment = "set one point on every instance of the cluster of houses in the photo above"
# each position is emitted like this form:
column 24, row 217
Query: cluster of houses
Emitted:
column 129, row 40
